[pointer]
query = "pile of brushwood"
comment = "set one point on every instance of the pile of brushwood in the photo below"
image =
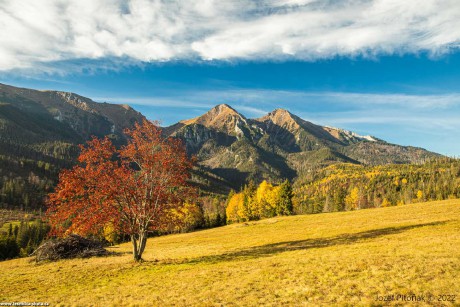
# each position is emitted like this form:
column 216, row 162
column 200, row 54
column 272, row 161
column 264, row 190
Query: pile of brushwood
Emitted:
column 72, row 246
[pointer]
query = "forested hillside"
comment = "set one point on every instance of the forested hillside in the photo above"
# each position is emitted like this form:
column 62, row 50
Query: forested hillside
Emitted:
column 347, row 187
column 39, row 134
column 342, row 187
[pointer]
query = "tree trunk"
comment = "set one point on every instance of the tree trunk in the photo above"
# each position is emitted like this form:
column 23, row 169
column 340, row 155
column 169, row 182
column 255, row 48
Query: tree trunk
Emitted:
column 139, row 245
column 142, row 242
column 135, row 250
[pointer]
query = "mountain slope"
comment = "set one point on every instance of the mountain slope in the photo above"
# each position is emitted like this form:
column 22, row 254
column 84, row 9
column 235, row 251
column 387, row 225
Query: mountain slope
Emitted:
column 83, row 115
column 279, row 145
column 39, row 133
column 226, row 144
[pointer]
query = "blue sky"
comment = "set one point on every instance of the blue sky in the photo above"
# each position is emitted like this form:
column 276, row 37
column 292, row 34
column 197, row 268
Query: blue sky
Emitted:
column 390, row 69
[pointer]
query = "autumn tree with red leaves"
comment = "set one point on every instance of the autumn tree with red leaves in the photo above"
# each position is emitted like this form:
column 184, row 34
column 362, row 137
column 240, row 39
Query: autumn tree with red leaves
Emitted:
column 134, row 188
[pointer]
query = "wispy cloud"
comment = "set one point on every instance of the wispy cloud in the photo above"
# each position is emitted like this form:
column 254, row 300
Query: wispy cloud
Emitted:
column 424, row 123
column 199, row 101
column 170, row 102
column 42, row 35
column 342, row 107
column 429, row 121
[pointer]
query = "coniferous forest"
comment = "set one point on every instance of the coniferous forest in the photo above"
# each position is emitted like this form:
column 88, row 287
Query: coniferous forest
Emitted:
column 346, row 187
column 343, row 187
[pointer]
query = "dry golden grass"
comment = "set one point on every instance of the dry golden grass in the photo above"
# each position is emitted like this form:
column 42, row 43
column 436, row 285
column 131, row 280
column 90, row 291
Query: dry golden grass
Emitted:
column 343, row 258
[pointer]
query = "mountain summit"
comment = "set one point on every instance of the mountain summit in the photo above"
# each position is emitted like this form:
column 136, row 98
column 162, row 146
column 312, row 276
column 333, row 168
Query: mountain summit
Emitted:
column 222, row 118
column 282, row 118
column 279, row 145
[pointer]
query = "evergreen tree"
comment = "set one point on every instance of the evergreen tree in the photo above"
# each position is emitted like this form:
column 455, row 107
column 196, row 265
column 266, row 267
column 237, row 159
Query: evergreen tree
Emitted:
column 285, row 206
column 9, row 248
column 15, row 231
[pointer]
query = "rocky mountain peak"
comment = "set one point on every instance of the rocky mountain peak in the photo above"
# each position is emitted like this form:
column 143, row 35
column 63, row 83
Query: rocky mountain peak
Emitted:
column 222, row 117
column 282, row 115
column 224, row 108
column 282, row 118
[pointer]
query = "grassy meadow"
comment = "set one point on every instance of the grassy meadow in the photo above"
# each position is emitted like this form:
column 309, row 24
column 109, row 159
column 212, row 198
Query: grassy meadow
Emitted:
column 345, row 258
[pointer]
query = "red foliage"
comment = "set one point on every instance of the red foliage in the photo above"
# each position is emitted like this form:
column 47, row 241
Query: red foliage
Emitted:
column 133, row 187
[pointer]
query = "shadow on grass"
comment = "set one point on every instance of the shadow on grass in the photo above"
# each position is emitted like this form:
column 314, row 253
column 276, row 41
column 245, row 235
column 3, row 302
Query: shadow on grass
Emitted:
column 281, row 247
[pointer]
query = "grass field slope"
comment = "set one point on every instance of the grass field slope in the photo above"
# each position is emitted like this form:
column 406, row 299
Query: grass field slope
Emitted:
column 346, row 258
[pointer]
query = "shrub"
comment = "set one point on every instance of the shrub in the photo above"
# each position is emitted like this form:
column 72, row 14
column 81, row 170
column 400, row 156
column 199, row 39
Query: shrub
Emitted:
column 9, row 248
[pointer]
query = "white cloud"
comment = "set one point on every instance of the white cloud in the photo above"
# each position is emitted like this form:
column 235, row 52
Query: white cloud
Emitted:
column 429, row 121
column 402, row 100
column 159, row 101
column 340, row 107
column 39, row 35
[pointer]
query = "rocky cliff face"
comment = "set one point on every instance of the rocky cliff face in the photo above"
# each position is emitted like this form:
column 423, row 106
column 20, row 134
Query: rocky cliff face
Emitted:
column 279, row 145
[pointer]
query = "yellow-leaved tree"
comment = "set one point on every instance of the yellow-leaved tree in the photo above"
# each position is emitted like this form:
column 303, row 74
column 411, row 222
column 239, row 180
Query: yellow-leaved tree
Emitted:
column 419, row 195
column 273, row 199
column 386, row 203
column 352, row 199
column 263, row 201
column 263, row 198
column 234, row 206
column 110, row 233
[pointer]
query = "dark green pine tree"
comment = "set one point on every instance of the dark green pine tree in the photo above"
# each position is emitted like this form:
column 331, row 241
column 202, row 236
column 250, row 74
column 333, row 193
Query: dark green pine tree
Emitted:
column 218, row 220
column 15, row 232
column 285, row 206
column 9, row 248
column 10, row 230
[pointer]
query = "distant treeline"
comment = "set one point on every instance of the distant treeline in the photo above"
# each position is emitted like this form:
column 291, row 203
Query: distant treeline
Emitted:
column 206, row 212
column 343, row 187
column 258, row 202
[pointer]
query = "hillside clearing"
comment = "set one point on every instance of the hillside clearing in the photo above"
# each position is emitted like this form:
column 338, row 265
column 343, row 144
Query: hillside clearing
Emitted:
column 335, row 258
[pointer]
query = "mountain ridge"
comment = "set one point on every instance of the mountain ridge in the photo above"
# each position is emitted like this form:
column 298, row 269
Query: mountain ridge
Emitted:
column 280, row 145
column 40, row 131
column 39, row 135
column 85, row 116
